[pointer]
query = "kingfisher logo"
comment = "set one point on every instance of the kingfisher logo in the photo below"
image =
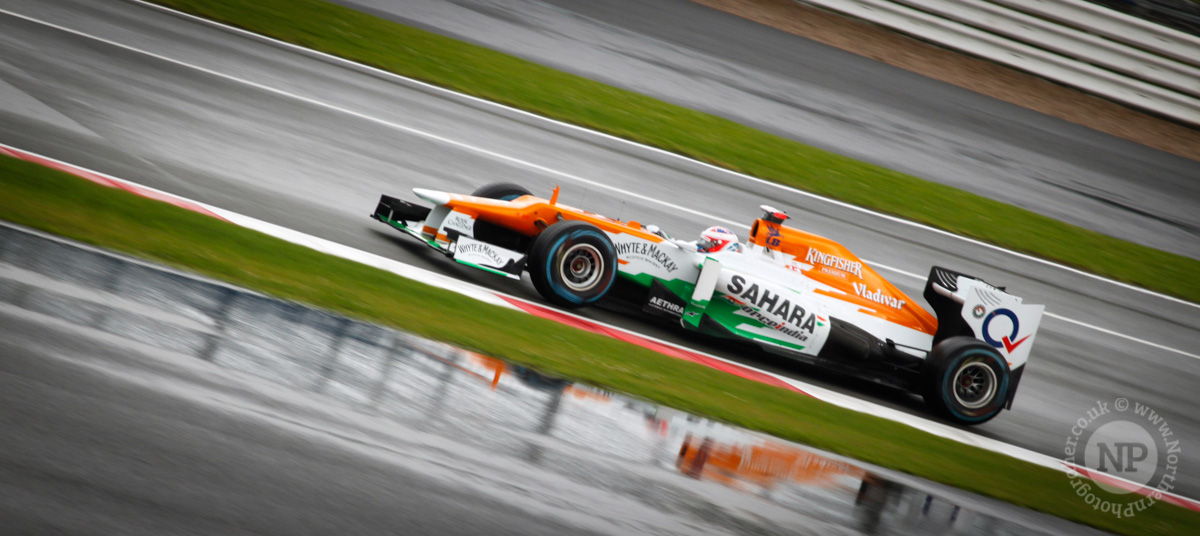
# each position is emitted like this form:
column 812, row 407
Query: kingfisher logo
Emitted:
column 816, row 256
column 1006, row 341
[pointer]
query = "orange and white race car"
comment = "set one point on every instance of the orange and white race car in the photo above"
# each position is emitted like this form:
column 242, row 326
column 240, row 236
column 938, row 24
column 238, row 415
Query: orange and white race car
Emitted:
column 788, row 291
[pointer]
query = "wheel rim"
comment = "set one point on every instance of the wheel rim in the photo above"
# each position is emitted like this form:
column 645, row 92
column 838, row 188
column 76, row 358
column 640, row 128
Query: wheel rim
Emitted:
column 974, row 385
column 581, row 268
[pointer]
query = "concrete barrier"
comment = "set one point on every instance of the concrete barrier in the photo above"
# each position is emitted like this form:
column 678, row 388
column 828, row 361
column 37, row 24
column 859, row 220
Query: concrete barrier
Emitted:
column 1068, row 41
column 1114, row 25
column 1143, row 77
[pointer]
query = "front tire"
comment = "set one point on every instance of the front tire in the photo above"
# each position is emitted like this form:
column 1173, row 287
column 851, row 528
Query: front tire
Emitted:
column 966, row 380
column 504, row 191
column 572, row 264
column 495, row 234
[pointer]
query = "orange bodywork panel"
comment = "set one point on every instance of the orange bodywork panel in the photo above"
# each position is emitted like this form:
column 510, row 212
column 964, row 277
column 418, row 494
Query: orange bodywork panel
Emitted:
column 530, row 214
column 834, row 265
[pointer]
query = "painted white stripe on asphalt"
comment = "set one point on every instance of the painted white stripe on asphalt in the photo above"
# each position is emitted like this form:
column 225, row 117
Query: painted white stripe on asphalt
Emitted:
column 1122, row 335
column 491, row 296
column 329, row 247
column 933, row 427
column 482, row 151
column 843, row 204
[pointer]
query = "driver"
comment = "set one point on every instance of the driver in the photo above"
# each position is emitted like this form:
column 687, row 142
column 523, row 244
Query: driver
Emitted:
column 718, row 239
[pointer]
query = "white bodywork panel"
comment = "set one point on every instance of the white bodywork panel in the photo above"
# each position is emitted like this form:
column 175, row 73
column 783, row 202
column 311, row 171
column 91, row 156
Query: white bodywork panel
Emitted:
column 470, row 251
column 763, row 264
column 1000, row 319
column 457, row 221
column 788, row 315
column 664, row 260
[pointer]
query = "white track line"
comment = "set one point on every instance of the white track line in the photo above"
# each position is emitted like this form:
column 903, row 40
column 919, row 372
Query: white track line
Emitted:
column 902, row 221
column 506, row 158
column 1122, row 335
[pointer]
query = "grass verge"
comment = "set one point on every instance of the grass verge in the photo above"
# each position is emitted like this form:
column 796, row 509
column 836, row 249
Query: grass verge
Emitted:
column 502, row 78
column 56, row 202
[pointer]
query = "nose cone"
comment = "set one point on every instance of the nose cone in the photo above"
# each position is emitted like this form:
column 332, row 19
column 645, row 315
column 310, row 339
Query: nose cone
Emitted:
column 433, row 196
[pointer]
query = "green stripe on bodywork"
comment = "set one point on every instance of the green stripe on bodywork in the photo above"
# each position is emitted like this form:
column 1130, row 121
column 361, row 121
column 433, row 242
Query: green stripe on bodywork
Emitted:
column 484, row 268
column 694, row 312
column 680, row 287
column 411, row 232
column 725, row 313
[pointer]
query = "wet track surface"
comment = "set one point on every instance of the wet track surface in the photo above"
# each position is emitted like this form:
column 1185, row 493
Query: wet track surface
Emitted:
column 143, row 401
column 310, row 144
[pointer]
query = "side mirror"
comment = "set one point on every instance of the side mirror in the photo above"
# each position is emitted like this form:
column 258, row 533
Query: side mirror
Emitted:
column 773, row 215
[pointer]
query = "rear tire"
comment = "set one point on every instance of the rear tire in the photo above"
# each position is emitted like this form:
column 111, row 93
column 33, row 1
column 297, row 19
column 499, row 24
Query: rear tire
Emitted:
column 966, row 380
column 572, row 264
column 504, row 191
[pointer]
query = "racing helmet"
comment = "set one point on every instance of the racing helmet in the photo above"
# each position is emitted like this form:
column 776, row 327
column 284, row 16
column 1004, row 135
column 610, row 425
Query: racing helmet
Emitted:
column 716, row 239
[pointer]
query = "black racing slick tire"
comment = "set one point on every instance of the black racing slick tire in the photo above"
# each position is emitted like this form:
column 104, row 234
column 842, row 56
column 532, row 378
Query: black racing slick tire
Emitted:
column 966, row 380
column 495, row 234
column 572, row 264
column 504, row 191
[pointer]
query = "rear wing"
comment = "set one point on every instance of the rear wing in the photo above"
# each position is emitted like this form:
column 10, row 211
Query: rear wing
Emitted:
column 967, row 305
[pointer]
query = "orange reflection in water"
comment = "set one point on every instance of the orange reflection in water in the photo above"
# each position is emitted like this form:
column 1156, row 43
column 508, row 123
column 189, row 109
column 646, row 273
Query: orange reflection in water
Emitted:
column 766, row 464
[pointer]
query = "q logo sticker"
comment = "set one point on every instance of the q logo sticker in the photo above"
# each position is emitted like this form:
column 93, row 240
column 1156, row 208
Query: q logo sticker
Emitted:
column 1005, row 342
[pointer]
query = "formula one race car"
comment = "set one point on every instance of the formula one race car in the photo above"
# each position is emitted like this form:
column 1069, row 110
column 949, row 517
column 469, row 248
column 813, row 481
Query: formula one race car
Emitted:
column 788, row 291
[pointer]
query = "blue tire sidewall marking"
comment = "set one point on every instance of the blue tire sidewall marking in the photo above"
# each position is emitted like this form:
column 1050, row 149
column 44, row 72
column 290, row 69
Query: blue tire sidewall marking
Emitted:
column 947, row 390
column 551, row 275
column 552, row 278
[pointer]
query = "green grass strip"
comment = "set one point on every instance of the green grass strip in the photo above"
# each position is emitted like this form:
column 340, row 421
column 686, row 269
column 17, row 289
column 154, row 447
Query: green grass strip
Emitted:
column 503, row 78
column 53, row 201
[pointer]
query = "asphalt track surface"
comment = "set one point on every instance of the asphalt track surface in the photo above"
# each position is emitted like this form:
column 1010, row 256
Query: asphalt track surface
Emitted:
column 705, row 59
column 108, row 437
column 309, row 144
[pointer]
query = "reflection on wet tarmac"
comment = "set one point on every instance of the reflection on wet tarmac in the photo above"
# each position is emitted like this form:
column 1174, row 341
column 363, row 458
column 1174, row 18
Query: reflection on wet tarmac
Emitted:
column 510, row 410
